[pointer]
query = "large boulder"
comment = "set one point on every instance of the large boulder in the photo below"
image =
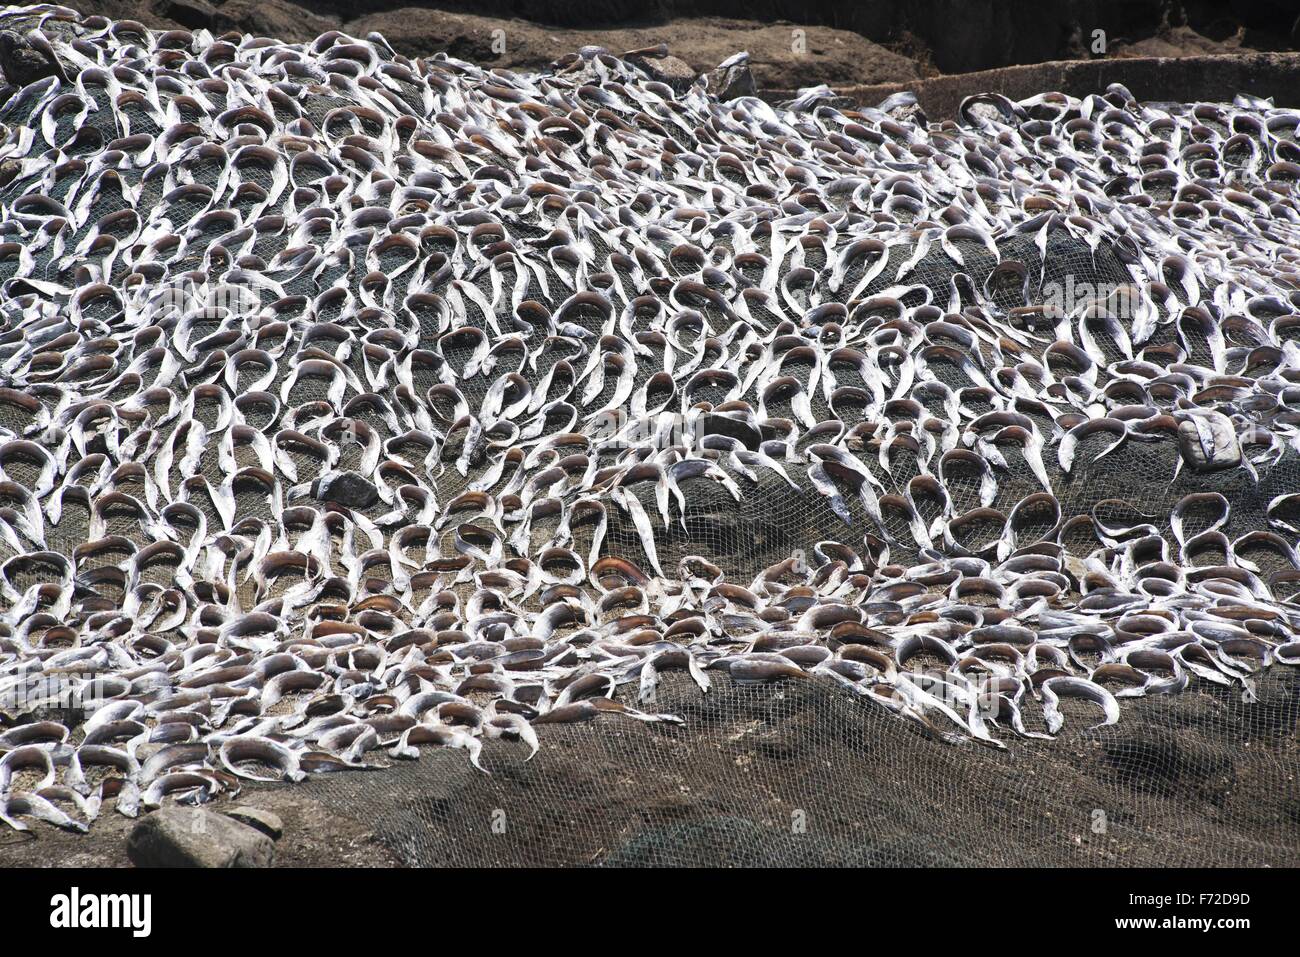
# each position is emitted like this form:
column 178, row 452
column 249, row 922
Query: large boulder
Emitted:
column 660, row 65
column 197, row 837
column 26, row 59
column 732, row 78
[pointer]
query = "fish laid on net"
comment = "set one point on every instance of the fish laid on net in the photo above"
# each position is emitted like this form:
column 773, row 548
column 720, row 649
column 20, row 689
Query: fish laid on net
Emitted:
column 351, row 404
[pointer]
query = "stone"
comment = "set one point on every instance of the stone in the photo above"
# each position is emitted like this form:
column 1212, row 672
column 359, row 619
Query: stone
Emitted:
column 197, row 837
column 666, row 69
column 272, row 18
column 191, row 14
column 1209, row 443
column 349, row 489
column 259, row 818
column 732, row 79
column 21, row 62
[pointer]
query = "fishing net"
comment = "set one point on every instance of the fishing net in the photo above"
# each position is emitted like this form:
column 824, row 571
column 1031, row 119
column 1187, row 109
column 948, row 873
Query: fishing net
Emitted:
column 805, row 775
column 808, row 776
column 357, row 409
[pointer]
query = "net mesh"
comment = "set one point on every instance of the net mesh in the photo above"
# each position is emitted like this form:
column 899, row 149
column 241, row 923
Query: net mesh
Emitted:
column 805, row 775
column 796, row 771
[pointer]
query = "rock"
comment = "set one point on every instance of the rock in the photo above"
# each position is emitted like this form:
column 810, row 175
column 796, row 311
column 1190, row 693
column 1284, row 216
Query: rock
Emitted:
column 22, row 62
column 666, row 69
column 348, row 489
column 272, row 18
column 1208, row 441
column 1151, row 759
column 256, row 817
column 732, row 78
column 191, row 14
column 423, row 32
column 1185, row 80
column 197, row 837
column 736, row 428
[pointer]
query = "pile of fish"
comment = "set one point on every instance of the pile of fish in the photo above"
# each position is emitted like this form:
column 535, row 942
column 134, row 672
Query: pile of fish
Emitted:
column 352, row 404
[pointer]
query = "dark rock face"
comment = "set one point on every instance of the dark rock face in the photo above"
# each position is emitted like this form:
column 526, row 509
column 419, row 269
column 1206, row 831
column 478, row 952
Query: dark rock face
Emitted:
column 197, row 837
column 22, row 62
column 346, row 488
column 191, row 14
column 274, row 18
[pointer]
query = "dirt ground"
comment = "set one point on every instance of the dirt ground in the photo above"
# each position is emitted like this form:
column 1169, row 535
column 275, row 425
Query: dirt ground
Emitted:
column 314, row 836
column 792, row 45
